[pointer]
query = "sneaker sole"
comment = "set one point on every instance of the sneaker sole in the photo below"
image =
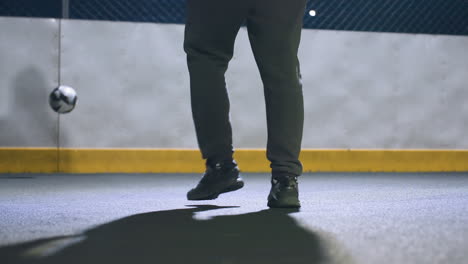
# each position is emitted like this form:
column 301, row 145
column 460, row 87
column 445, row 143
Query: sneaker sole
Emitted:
column 284, row 203
column 236, row 186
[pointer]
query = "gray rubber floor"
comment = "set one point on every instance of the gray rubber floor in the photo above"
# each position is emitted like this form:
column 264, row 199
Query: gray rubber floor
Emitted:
column 345, row 218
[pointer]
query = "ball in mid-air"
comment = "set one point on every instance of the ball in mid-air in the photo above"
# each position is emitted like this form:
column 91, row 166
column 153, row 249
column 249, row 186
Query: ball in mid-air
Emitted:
column 63, row 99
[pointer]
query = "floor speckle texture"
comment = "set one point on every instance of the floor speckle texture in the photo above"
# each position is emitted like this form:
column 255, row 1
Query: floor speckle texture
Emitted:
column 145, row 218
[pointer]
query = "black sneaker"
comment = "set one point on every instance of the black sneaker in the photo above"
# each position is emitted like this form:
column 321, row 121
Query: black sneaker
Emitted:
column 284, row 192
column 220, row 178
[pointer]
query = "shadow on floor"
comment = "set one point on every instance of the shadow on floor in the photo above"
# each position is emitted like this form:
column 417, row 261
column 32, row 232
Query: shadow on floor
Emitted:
column 174, row 236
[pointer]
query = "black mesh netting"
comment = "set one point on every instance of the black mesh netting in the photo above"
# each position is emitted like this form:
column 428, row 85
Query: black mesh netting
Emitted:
column 405, row 16
column 158, row 11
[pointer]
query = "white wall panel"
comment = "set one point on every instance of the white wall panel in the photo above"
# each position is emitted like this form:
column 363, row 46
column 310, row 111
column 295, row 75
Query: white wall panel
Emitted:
column 28, row 72
column 362, row 90
column 379, row 90
column 132, row 85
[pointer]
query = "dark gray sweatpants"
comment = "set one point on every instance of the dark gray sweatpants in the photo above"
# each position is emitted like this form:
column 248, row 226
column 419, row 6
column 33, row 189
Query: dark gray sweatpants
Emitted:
column 274, row 28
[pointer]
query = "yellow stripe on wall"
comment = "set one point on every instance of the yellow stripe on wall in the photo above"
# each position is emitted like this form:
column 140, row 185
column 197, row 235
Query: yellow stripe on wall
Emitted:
column 48, row 160
column 25, row 160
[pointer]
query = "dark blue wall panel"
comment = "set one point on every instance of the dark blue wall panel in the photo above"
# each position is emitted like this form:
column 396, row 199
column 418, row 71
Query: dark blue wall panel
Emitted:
column 31, row 8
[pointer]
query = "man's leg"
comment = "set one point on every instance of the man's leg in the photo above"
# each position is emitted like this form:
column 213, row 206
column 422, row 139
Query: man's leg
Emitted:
column 274, row 28
column 210, row 32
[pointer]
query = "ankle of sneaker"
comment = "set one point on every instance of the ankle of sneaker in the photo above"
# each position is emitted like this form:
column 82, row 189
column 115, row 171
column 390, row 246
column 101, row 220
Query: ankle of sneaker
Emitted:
column 282, row 175
column 223, row 163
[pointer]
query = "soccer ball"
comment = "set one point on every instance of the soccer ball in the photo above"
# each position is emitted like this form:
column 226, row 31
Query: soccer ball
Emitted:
column 63, row 99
